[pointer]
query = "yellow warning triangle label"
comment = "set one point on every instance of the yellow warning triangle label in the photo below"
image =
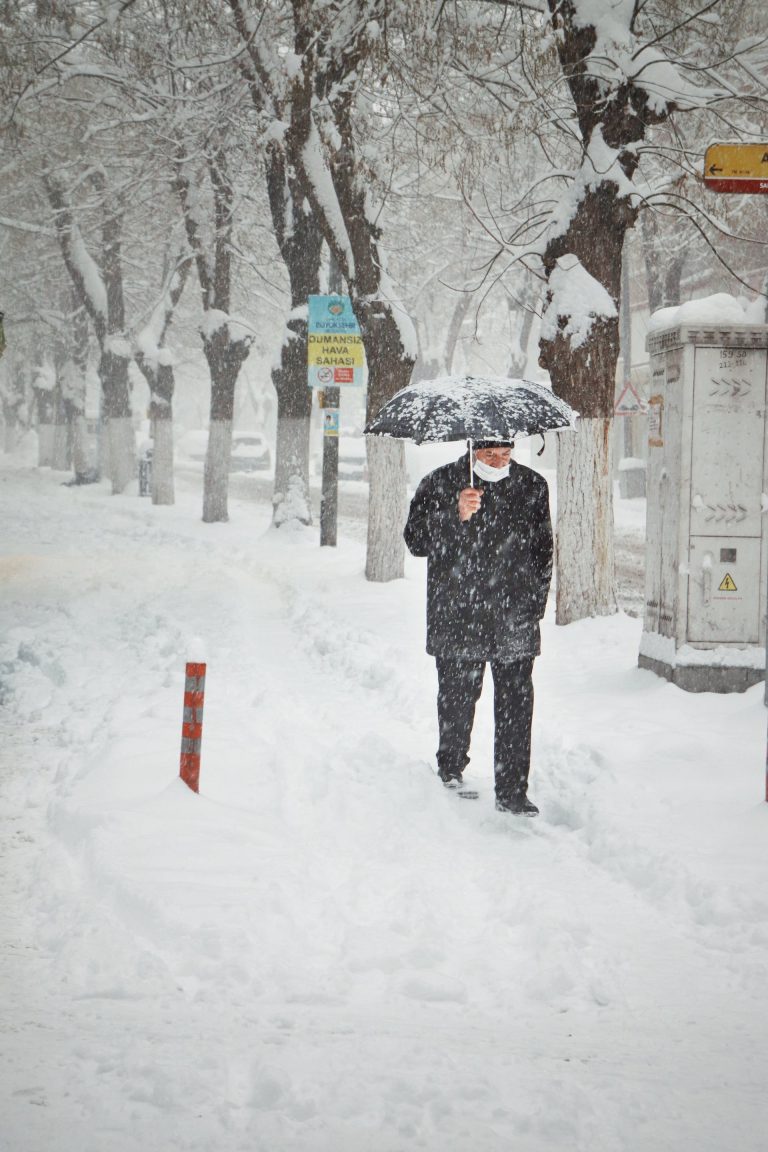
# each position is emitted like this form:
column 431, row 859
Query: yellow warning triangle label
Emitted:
column 727, row 584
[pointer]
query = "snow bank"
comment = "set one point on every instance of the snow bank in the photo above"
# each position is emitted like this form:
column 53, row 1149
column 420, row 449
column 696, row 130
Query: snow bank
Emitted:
column 324, row 950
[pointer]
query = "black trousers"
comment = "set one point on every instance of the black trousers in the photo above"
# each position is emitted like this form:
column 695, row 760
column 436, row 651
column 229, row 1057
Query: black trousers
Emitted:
column 459, row 685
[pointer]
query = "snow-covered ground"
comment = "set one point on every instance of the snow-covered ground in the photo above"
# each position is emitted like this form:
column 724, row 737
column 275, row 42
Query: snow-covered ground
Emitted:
column 324, row 951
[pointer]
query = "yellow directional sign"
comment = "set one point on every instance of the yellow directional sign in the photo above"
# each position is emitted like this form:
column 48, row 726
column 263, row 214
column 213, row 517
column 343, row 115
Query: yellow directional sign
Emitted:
column 736, row 167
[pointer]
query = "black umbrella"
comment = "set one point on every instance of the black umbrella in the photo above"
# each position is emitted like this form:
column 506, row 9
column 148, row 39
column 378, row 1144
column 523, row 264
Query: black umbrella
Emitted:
column 471, row 408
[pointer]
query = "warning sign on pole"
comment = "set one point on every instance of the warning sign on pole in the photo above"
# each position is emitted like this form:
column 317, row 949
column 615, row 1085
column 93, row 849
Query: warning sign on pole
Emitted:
column 629, row 403
column 335, row 355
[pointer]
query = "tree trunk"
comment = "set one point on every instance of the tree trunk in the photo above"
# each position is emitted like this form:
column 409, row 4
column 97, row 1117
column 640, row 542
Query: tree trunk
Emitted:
column 45, row 426
column 584, row 536
column 582, row 369
column 80, row 457
column 387, row 495
column 103, row 466
column 122, row 453
column 216, row 473
column 113, row 364
column 389, row 371
column 163, row 491
column 62, row 436
column 225, row 358
column 290, row 497
column 583, row 364
column 75, row 349
column 160, row 379
column 45, row 436
column 584, row 552
column 116, row 411
column 291, row 493
column 12, row 397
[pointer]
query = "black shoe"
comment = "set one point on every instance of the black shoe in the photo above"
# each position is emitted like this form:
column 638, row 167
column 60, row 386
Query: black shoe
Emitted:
column 518, row 806
column 452, row 782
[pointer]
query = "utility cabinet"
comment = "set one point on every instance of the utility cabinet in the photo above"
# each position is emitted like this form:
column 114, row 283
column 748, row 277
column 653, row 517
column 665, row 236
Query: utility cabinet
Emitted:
column 707, row 549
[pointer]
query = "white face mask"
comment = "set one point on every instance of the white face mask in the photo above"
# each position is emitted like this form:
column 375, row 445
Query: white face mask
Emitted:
column 491, row 475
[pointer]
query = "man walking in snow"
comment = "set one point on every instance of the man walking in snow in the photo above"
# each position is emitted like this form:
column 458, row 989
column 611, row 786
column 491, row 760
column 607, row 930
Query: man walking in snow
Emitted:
column 489, row 565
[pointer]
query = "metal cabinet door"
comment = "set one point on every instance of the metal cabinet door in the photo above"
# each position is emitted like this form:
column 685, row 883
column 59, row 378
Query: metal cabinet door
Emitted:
column 727, row 444
column 724, row 584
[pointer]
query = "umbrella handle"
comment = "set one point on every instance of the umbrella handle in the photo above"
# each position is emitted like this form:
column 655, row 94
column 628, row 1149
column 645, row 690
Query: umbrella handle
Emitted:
column 471, row 472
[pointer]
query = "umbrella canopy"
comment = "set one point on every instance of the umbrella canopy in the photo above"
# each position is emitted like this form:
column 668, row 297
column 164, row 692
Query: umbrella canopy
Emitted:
column 471, row 408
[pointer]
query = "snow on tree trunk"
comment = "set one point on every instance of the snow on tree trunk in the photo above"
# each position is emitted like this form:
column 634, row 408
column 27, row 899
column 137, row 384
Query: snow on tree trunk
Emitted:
column 389, row 367
column 45, row 437
column 385, row 557
column 62, row 441
column 225, row 356
column 584, row 376
column 116, row 410
column 161, row 381
column 216, row 472
column 45, row 430
column 579, row 346
column 291, row 495
column 294, row 406
column 584, row 536
column 102, row 447
column 80, row 460
column 62, row 455
column 122, row 452
column 162, row 461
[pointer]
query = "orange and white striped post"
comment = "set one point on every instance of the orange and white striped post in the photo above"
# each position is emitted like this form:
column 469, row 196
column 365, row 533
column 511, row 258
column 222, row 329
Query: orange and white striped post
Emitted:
column 192, row 725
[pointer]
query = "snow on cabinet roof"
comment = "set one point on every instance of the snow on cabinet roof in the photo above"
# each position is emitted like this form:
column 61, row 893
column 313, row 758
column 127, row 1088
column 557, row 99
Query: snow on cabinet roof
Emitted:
column 717, row 309
column 716, row 321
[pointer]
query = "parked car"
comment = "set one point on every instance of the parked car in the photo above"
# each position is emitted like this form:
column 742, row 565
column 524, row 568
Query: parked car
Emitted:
column 250, row 451
column 353, row 462
column 193, row 445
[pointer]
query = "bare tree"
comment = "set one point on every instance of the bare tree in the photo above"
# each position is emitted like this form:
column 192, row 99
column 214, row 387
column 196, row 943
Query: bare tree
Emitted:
column 300, row 241
column 156, row 363
column 590, row 85
column 226, row 339
column 99, row 289
column 75, row 347
column 333, row 48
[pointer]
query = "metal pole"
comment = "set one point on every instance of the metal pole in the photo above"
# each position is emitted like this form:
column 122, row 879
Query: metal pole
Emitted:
column 329, row 498
column 625, row 340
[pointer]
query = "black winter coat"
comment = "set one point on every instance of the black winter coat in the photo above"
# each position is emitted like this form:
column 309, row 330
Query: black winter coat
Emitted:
column 487, row 578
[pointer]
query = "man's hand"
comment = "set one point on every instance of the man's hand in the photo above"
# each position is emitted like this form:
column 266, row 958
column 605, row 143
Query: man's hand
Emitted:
column 469, row 502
